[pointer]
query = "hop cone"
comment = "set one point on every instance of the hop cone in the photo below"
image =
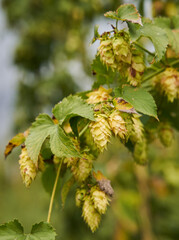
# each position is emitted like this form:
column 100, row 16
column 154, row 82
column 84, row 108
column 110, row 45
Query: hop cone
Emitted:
column 140, row 152
column 168, row 83
column 79, row 197
column 100, row 131
column 41, row 165
column 82, row 169
column 106, row 53
column 99, row 95
column 136, row 70
column 137, row 133
column 121, row 49
column 91, row 216
column 28, row 169
column 166, row 134
column 117, row 124
column 70, row 161
column 100, row 200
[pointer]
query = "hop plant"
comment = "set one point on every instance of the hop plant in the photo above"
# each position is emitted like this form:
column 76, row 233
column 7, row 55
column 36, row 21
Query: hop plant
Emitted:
column 100, row 131
column 28, row 169
column 166, row 135
column 136, row 69
column 168, row 83
column 99, row 95
column 91, row 216
column 117, row 124
column 100, row 200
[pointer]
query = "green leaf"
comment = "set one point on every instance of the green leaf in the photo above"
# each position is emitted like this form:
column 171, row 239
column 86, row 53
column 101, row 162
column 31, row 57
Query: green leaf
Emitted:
column 12, row 231
column 74, row 125
column 39, row 131
column 96, row 34
column 103, row 75
column 42, row 231
column 72, row 106
column 140, row 99
column 126, row 12
column 65, row 189
column 60, row 143
column 14, row 142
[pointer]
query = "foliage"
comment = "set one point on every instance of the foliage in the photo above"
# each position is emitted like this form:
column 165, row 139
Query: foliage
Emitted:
column 82, row 125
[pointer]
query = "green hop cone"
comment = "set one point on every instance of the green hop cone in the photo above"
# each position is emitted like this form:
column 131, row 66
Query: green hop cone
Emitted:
column 105, row 51
column 140, row 152
column 136, row 69
column 79, row 197
column 100, row 200
column 28, row 168
column 137, row 133
column 83, row 168
column 167, row 83
column 91, row 216
column 99, row 95
column 101, row 131
column 117, row 124
column 166, row 134
column 71, row 161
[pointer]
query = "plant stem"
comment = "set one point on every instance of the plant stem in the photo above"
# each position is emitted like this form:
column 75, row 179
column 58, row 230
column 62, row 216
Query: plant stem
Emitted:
column 144, row 49
column 153, row 74
column 83, row 130
column 174, row 62
column 53, row 192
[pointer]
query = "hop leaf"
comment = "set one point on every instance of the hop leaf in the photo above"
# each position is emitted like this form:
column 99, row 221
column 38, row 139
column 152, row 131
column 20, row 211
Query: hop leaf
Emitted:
column 91, row 216
column 100, row 131
column 28, row 169
column 117, row 124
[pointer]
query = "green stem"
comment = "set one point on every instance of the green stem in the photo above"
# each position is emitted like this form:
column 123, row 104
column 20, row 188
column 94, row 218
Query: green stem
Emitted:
column 153, row 74
column 174, row 62
column 116, row 23
column 144, row 49
column 53, row 192
column 83, row 130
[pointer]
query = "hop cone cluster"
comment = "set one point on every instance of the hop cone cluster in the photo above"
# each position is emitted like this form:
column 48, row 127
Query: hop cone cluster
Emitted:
column 94, row 203
column 99, row 95
column 117, row 124
column 115, row 51
column 28, row 169
column 101, row 131
column 167, row 83
column 136, row 69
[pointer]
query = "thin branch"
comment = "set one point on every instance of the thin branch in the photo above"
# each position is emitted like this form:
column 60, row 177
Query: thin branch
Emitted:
column 53, row 192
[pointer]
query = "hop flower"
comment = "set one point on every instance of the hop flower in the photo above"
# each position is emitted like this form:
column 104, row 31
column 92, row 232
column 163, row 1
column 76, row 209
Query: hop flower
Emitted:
column 136, row 69
column 137, row 133
column 91, row 216
column 117, row 124
column 106, row 53
column 79, row 197
column 28, row 169
column 100, row 131
column 100, row 200
column 166, row 134
column 41, row 165
column 140, row 152
column 168, row 83
column 99, row 95
column 70, row 161
column 82, row 168
column 121, row 48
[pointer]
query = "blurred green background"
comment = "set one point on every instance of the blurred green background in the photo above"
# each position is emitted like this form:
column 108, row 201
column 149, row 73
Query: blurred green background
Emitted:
column 52, row 56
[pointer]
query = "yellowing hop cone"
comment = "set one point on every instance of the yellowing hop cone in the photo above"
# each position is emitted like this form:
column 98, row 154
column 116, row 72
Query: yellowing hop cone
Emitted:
column 117, row 124
column 99, row 95
column 101, row 131
column 28, row 169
